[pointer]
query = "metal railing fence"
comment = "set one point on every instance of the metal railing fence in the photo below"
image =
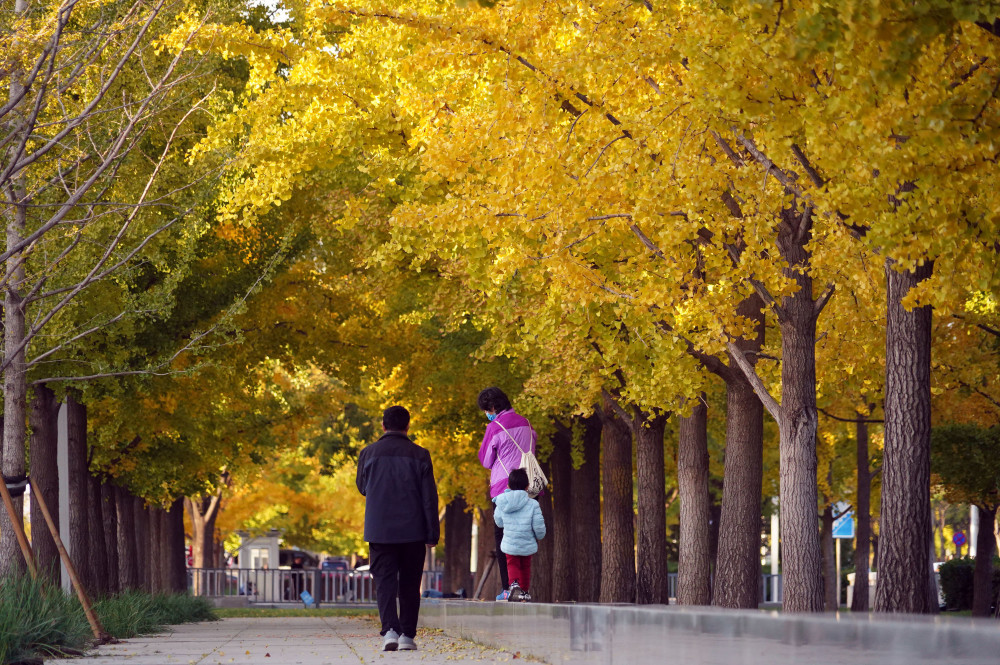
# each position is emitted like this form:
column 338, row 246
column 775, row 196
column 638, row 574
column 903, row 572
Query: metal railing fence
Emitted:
column 285, row 586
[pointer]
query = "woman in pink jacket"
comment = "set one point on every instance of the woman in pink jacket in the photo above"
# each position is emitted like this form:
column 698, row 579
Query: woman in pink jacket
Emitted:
column 508, row 435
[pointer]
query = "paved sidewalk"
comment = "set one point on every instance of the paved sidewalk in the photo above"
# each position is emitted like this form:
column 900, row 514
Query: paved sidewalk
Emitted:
column 285, row 641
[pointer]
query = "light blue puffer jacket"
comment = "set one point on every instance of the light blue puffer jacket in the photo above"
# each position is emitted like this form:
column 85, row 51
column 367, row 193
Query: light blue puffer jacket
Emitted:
column 520, row 517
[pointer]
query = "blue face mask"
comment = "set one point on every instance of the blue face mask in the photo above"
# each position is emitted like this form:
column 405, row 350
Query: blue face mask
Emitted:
column 491, row 417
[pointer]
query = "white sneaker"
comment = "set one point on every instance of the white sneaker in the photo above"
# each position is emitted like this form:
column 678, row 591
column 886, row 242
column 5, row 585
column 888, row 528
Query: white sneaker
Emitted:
column 407, row 643
column 391, row 641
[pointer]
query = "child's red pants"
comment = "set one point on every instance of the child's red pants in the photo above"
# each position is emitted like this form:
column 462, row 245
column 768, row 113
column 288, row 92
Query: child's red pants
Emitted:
column 519, row 570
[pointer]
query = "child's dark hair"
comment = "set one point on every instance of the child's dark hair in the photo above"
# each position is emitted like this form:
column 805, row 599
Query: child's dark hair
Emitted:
column 518, row 479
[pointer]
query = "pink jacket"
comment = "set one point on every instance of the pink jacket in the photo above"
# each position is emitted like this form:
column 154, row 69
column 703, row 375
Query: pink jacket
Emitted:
column 498, row 451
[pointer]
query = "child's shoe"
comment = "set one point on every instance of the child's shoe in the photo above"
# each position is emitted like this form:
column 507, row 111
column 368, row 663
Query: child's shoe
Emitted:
column 503, row 595
column 525, row 597
column 515, row 592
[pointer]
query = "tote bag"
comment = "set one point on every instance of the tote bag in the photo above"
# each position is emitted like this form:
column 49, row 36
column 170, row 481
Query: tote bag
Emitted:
column 536, row 477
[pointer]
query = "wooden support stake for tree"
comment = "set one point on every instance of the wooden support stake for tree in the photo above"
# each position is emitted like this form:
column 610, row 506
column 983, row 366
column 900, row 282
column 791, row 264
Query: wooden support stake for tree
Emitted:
column 100, row 635
column 486, row 575
column 17, row 524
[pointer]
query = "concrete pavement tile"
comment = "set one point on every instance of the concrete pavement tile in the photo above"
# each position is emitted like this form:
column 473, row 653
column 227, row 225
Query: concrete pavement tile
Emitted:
column 287, row 641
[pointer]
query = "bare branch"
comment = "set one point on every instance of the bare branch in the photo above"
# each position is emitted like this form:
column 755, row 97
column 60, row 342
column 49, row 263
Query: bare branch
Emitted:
column 726, row 148
column 849, row 420
column 758, row 386
column 824, row 298
column 769, row 167
column 810, row 171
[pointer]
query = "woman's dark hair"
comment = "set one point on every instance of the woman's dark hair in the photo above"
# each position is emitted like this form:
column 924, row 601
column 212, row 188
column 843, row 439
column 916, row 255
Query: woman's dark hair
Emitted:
column 396, row 419
column 493, row 399
column 518, row 479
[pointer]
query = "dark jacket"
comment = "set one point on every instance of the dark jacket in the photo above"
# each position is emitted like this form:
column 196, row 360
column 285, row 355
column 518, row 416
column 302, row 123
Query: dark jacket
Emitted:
column 397, row 478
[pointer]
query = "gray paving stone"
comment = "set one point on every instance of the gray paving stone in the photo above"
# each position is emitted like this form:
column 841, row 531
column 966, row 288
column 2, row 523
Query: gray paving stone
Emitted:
column 286, row 641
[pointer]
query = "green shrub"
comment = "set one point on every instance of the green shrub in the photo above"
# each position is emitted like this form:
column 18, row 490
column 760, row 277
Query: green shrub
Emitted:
column 957, row 582
column 138, row 613
column 178, row 608
column 39, row 620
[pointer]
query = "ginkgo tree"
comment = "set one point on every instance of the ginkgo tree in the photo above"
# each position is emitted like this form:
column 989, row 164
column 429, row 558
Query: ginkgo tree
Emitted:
column 656, row 184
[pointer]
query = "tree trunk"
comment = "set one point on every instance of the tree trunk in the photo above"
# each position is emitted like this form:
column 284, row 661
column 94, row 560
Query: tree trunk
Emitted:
column 156, row 575
column 982, row 577
column 96, row 552
column 109, row 509
column 830, row 600
column 79, row 490
column 905, row 513
column 693, row 567
column 486, row 549
column 585, row 486
column 128, row 571
column 859, row 603
column 457, row 545
column 737, row 573
column 801, row 558
column 561, row 534
column 44, row 480
column 174, row 544
column 203, row 511
column 15, row 387
column 141, row 518
column 617, row 526
column 651, row 564
column 542, row 569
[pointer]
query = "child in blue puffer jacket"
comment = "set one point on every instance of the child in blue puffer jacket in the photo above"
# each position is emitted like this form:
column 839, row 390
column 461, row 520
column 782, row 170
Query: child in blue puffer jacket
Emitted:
column 520, row 517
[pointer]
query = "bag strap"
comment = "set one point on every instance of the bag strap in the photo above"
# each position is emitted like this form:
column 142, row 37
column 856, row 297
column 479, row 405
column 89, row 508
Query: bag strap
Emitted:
column 511, row 438
column 500, row 457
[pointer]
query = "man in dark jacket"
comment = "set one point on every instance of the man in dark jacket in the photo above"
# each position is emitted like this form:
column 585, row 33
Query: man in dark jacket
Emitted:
column 401, row 517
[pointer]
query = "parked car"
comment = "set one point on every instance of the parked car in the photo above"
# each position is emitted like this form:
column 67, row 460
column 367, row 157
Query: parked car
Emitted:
column 335, row 563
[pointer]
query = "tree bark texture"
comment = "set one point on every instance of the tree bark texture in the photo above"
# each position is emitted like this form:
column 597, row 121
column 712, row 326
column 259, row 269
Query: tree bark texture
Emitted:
column 586, row 490
column 203, row 511
column 141, row 520
column 128, row 569
column 982, row 576
column 859, row 603
column 651, row 552
column 904, row 520
column 457, row 545
column 561, row 527
column 109, row 509
column 542, row 569
column 694, row 563
column 491, row 586
column 737, row 572
column 830, row 600
column 154, row 553
column 15, row 386
column 44, row 480
column 96, row 552
column 79, row 490
column 174, row 545
column 801, row 558
column 618, row 530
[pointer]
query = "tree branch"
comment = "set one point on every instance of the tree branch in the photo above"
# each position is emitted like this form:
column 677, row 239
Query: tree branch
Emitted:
column 758, row 386
column 823, row 299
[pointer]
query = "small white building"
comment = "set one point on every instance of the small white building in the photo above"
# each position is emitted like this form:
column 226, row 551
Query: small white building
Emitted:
column 259, row 552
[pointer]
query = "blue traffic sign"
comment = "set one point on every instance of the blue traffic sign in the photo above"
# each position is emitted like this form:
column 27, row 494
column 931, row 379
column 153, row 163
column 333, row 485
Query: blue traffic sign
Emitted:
column 958, row 538
column 843, row 526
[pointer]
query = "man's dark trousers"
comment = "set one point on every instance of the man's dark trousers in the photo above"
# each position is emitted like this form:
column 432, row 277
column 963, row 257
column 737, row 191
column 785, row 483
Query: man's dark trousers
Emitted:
column 397, row 569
